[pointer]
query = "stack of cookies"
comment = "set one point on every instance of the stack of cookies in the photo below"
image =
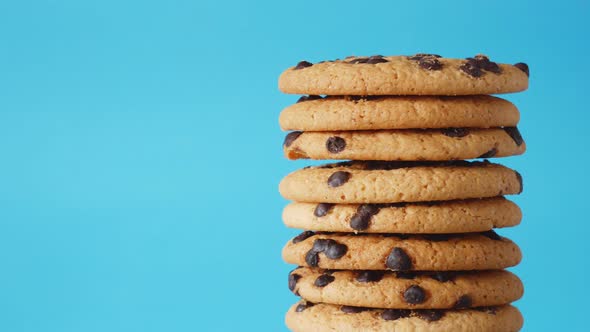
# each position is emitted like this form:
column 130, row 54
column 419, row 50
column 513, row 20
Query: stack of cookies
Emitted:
column 401, row 236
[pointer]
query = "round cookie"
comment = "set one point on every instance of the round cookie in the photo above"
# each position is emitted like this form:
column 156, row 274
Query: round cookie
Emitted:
column 434, row 252
column 463, row 216
column 421, row 74
column 392, row 182
column 406, row 290
column 405, row 145
column 307, row 317
column 314, row 113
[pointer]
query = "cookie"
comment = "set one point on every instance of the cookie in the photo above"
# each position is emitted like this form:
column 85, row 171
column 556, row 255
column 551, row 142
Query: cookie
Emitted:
column 463, row 216
column 434, row 252
column 314, row 113
column 406, row 145
column 406, row 290
column 421, row 74
column 392, row 182
column 308, row 317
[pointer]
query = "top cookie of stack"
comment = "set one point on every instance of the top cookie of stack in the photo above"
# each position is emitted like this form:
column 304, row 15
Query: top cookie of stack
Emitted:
column 368, row 115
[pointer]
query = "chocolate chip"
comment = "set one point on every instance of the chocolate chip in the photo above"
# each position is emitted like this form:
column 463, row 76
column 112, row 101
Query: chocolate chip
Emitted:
column 376, row 59
column 514, row 133
column 463, row 302
column 475, row 66
column 369, row 276
column 322, row 209
column 323, row 280
column 519, row 177
column 487, row 65
column 308, row 98
column 438, row 237
column 443, row 276
column 339, row 178
column 303, row 64
column 302, row 236
column 394, row 314
column 398, row 260
column 419, row 56
column 430, row 63
column 455, row 132
column 291, row 137
column 489, row 154
column 488, row 310
column 430, row 315
column 302, row 306
column 352, row 310
column 427, row 61
column 320, row 245
column 293, row 278
column 335, row 144
column 359, row 60
column 523, row 66
column 414, row 295
column 471, row 69
column 492, row 235
column 361, row 219
column 405, row 275
column 336, row 250
column 312, row 258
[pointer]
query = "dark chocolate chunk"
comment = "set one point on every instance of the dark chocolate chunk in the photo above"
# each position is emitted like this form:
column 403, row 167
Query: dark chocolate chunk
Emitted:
column 522, row 66
column 335, row 144
column 398, row 260
column 489, row 154
column 471, row 69
column 419, row 56
column 455, row 132
column 359, row 60
column 492, row 235
column 322, row 209
column 430, row 63
column 376, row 59
column 415, row 295
column 293, row 278
column 405, row 275
column 519, row 177
column 352, row 310
column 394, row 314
column 336, row 250
column 484, row 63
column 323, row 280
column 514, row 133
column 475, row 66
column 361, row 219
column 291, row 137
column 302, row 236
column 307, row 98
column 369, row 276
column 312, row 258
column 463, row 302
column 443, row 276
column 320, row 245
column 427, row 61
column 339, row 178
column 303, row 64
column 430, row 315
column 302, row 306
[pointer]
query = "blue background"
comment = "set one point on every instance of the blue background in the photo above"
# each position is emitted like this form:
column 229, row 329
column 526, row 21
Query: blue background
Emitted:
column 140, row 152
